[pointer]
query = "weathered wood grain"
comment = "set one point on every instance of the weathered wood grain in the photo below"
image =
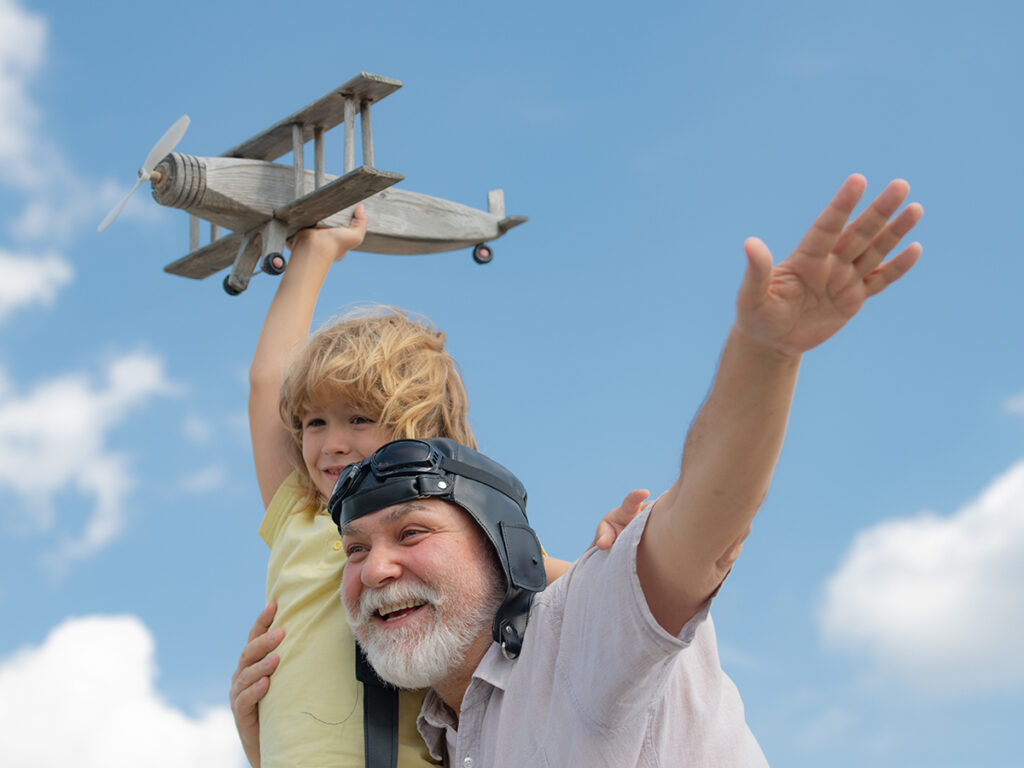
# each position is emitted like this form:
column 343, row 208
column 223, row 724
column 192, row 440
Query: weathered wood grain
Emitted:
column 350, row 134
column 496, row 203
column 325, row 112
column 343, row 192
column 366, row 134
column 318, row 157
column 207, row 260
column 298, row 160
column 245, row 262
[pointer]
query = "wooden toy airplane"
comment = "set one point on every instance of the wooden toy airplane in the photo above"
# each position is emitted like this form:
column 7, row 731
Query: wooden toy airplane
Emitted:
column 264, row 203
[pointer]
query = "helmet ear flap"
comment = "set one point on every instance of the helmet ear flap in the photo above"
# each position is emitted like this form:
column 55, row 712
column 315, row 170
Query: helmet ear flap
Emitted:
column 524, row 556
column 524, row 563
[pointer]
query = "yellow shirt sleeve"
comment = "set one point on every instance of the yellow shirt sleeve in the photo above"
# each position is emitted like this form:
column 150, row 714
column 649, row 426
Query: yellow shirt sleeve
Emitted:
column 312, row 715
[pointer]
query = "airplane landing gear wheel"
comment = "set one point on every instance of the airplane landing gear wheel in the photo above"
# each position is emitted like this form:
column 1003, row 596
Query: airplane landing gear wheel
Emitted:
column 274, row 264
column 483, row 253
column 229, row 289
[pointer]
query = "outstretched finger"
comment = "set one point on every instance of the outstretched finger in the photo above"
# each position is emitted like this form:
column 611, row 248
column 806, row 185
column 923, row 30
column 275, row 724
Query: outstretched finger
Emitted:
column 888, row 239
column 856, row 237
column 887, row 274
column 826, row 229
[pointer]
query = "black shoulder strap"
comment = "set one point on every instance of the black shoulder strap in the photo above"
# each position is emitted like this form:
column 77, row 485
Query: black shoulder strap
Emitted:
column 380, row 716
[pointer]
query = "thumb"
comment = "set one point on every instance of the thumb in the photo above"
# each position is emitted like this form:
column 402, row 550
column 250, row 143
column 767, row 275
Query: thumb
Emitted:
column 359, row 219
column 757, row 278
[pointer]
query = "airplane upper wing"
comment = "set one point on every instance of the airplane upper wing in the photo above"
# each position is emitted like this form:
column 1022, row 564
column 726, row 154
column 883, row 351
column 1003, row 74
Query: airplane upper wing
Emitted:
column 325, row 113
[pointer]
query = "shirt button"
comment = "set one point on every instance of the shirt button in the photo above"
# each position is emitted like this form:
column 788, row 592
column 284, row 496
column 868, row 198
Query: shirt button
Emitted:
column 467, row 763
column 337, row 545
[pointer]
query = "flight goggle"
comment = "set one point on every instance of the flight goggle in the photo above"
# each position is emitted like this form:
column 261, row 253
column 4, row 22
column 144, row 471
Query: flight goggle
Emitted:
column 402, row 457
column 404, row 470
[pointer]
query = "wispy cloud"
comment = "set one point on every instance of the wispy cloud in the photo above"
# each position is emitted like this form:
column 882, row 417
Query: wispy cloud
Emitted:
column 29, row 280
column 22, row 51
column 935, row 601
column 55, row 437
column 1015, row 404
column 197, row 429
column 204, row 480
column 58, row 202
column 94, row 676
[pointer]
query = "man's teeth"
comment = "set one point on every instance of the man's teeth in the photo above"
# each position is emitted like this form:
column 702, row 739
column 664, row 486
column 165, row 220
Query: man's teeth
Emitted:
column 389, row 614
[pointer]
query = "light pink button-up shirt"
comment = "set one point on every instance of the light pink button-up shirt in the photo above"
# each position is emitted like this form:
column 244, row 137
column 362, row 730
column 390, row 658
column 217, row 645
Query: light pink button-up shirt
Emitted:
column 598, row 683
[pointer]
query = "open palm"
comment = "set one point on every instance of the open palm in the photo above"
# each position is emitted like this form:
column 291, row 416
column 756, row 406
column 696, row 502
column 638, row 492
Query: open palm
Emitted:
column 799, row 303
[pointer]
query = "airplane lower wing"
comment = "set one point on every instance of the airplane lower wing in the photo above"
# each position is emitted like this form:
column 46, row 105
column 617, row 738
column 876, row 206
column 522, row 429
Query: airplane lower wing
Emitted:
column 342, row 192
column 209, row 259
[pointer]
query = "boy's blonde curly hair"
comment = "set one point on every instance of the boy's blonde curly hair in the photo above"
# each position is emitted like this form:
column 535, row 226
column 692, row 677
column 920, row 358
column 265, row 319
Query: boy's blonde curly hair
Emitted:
column 385, row 363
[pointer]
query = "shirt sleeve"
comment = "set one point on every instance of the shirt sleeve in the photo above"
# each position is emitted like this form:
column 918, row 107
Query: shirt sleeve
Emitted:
column 626, row 654
column 286, row 499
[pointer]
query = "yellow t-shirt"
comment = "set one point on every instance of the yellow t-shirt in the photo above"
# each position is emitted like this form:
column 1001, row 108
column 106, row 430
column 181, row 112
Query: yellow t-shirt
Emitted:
column 312, row 715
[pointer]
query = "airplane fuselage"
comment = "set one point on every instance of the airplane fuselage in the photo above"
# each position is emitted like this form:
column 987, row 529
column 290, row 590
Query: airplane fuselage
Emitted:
column 240, row 194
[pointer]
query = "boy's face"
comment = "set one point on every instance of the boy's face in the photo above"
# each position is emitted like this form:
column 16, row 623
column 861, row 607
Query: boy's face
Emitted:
column 335, row 435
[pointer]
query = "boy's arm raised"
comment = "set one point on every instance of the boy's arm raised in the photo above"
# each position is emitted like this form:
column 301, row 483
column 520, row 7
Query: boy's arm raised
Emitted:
column 284, row 329
column 696, row 530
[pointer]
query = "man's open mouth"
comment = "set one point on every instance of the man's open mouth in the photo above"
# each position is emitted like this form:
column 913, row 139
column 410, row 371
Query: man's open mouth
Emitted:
column 399, row 612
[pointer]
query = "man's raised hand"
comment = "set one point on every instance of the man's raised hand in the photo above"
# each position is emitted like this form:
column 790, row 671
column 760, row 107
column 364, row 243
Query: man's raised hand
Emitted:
column 796, row 305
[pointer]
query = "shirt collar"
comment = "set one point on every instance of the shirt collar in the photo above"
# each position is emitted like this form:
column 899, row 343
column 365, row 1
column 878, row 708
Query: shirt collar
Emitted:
column 436, row 718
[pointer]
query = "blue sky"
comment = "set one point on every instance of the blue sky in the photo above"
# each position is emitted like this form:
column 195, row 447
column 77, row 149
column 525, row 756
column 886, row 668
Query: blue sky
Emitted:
column 876, row 615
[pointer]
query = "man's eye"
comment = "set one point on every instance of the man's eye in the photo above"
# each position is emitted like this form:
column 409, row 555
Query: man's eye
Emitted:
column 354, row 549
column 410, row 533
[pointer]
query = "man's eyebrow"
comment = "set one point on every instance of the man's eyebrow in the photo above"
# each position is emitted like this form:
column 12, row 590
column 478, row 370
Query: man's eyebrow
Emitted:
column 397, row 513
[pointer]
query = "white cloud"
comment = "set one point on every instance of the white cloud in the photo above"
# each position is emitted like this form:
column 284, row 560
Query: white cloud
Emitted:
column 29, row 280
column 54, row 438
column 22, row 49
column 1015, row 404
column 938, row 602
column 86, row 697
column 58, row 202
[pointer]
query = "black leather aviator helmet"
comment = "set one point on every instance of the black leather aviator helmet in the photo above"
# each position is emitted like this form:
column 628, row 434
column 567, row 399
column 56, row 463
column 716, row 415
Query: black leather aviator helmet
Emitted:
column 404, row 470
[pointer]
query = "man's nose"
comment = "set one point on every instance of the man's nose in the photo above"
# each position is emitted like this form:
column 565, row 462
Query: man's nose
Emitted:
column 381, row 565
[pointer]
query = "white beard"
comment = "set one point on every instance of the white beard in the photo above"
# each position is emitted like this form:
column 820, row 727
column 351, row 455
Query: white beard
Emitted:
column 414, row 656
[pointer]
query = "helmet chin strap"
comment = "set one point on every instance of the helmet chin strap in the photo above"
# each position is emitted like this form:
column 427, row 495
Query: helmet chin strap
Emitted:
column 380, row 716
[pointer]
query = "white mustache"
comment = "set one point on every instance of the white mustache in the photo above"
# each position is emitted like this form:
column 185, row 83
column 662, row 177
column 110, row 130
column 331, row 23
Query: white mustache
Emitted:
column 392, row 596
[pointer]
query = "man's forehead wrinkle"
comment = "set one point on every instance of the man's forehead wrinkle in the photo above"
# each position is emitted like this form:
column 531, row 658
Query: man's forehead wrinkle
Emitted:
column 401, row 510
column 394, row 514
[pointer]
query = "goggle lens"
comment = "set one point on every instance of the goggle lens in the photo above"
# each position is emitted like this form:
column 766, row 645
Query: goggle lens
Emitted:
column 403, row 455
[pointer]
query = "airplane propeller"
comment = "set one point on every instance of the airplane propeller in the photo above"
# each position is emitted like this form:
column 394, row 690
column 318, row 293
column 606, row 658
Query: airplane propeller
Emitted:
column 160, row 150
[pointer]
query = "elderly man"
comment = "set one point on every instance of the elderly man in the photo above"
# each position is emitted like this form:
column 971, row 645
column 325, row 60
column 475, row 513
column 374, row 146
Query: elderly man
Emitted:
column 615, row 664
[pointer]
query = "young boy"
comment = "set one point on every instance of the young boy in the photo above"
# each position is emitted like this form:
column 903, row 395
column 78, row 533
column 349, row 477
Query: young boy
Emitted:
column 315, row 408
